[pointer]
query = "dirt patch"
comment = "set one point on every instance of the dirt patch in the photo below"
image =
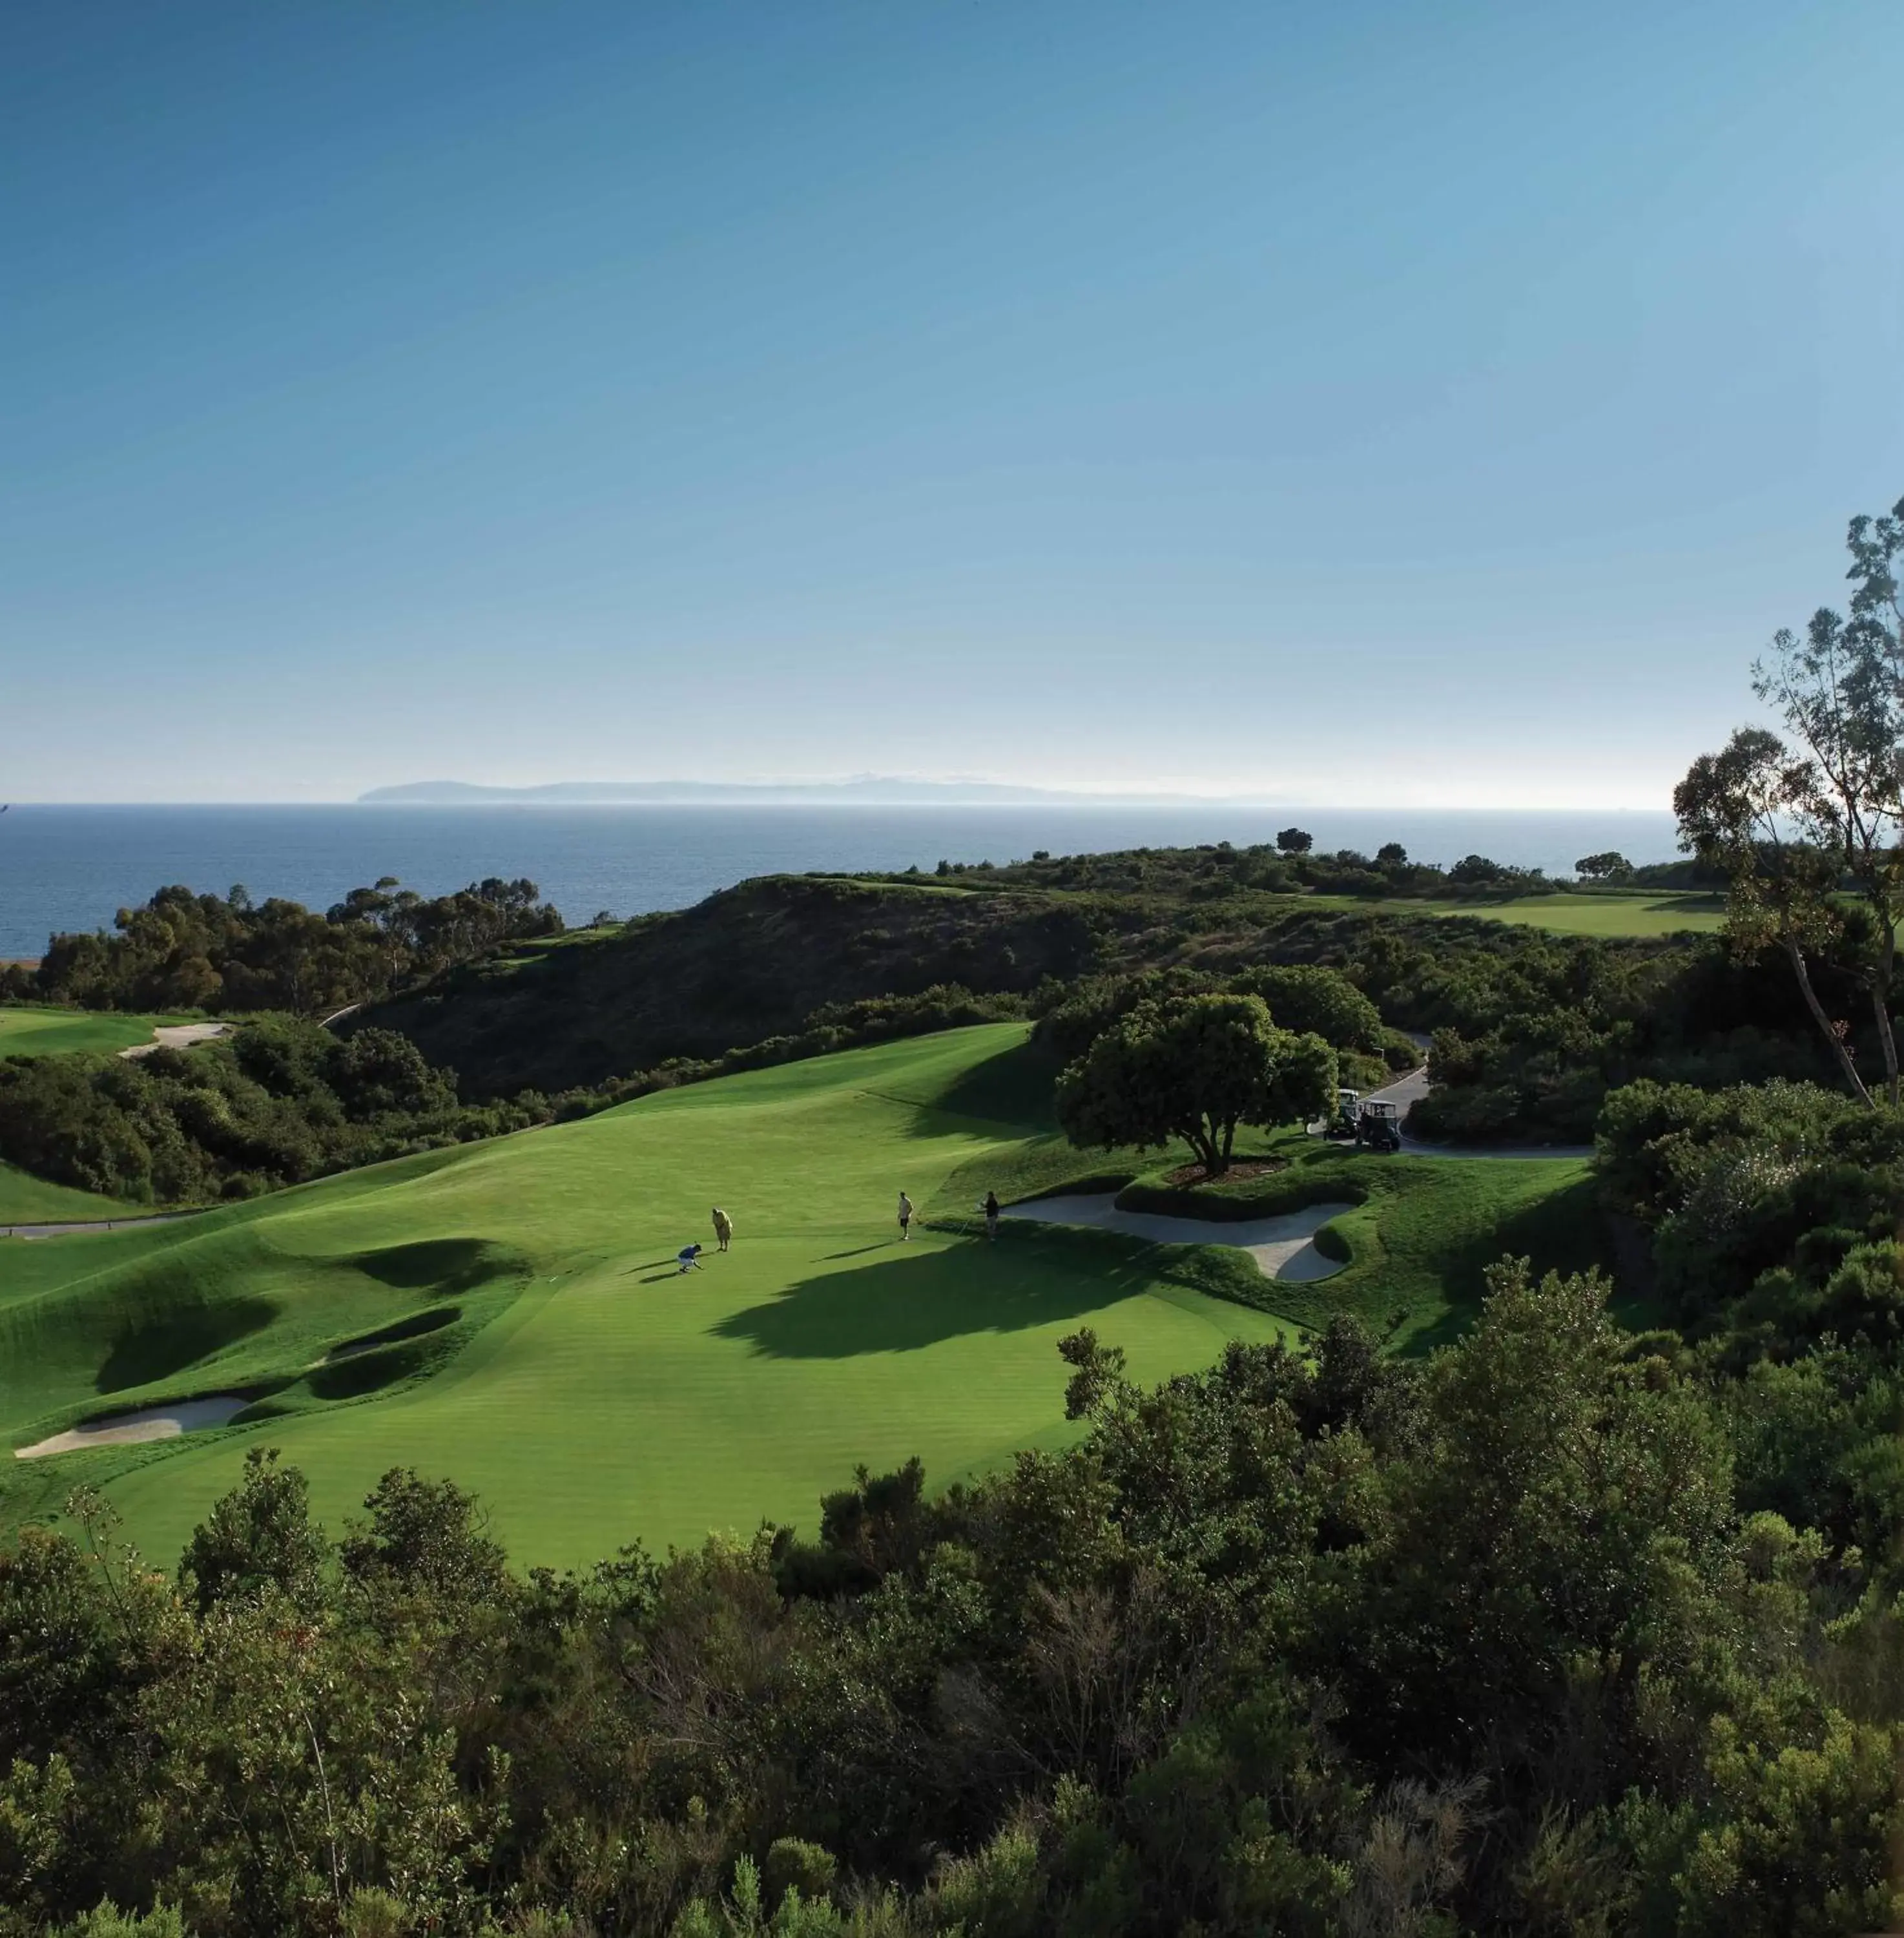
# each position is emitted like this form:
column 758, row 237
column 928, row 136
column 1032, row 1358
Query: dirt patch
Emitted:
column 1195, row 1174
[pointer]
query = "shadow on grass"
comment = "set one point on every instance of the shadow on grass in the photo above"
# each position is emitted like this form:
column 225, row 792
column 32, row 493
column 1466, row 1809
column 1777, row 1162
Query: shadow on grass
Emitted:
column 1014, row 1087
column 901, row 1305
column 442, row 1266
column 159, row 1345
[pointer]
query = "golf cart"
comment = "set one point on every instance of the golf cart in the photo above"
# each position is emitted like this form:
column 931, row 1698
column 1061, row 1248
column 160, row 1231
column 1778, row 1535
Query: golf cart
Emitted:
column 1342, row 1124
column 1378, row 1124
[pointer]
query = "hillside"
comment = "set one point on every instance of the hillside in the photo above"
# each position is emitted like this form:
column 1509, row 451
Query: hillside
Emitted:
column 749, row 963
column 756, row 960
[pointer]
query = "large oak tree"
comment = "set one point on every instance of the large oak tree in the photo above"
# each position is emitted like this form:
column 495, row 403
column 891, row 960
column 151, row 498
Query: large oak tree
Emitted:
column 1195, row 1068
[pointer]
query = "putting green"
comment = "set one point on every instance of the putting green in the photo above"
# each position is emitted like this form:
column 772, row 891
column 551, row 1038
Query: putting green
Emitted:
column 51, row 1032
column 550, row 1355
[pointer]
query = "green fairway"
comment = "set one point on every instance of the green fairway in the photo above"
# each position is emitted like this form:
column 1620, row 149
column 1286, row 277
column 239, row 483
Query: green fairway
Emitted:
column 538, row 1345
column 50, row 1032
column 1644, row 912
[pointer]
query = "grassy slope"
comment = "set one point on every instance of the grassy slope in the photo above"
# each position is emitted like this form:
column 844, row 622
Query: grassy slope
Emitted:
column 50, row 1032
column 27, row 1200
column 597, row 1396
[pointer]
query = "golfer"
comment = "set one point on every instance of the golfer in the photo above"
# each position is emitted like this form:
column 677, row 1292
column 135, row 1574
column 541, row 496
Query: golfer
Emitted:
column 991, row 1217
column 723, row 1229
column 689, row 1258
column 905, row 1217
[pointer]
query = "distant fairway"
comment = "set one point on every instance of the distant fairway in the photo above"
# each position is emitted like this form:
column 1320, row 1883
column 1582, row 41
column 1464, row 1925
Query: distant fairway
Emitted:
column 555, row 1361
column 50, row 1032
column 1652, row 912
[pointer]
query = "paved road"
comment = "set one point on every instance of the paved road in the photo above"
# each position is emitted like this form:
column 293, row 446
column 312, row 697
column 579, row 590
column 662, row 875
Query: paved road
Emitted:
column 72, row 1227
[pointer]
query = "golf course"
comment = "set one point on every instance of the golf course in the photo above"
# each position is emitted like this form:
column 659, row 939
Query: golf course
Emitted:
column 29, row 1031
column 511, row 1313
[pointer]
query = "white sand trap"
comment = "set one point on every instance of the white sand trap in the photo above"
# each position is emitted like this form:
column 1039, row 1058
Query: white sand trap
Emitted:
column 1283, row 1248
column 178, row 1036
column 155, row 1423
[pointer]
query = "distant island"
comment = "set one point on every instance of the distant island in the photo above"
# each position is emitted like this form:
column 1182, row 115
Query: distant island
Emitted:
column 861, row 790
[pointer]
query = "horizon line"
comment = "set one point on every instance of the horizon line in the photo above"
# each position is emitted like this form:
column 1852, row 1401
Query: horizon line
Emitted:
column 1053, row 798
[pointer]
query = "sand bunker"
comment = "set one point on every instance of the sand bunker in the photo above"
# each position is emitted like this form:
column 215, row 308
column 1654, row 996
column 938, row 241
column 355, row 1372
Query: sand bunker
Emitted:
column 1284, row 1248
column 154, row 1422
column 178, row 1036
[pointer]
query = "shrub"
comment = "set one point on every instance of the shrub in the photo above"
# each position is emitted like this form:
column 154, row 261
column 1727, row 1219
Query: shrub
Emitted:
column 1318, row 1002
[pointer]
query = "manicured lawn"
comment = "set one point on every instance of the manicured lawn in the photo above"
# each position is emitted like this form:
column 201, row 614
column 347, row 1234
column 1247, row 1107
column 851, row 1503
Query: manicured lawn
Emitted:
column 51, row 1032
column 586, row 1391
column 521, row 1326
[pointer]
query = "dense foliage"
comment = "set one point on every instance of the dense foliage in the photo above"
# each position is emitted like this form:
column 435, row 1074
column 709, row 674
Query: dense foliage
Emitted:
column 1328, row 1645
column 183, row 951
column 1218, row 868
column 1529, row 1037
column 1530, row 1030
column 1774, row 1213
column 277, row 1102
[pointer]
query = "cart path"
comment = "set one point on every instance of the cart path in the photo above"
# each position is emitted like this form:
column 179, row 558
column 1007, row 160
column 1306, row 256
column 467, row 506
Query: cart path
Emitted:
column 77, row 1227
column 1283, row 1247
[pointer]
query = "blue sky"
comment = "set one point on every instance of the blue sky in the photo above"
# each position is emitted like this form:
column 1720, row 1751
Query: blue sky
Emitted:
column 1336, row 404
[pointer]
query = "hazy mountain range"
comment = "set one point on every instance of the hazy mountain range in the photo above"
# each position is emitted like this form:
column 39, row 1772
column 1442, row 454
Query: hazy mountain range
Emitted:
column 860, row 791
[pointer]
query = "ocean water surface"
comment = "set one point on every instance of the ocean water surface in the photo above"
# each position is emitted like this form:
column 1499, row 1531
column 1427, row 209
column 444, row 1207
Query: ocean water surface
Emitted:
column 64, row 868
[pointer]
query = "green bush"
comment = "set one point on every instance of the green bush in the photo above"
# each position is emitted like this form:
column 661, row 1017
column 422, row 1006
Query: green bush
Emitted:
column 276, row 1103
column 1322, row 1002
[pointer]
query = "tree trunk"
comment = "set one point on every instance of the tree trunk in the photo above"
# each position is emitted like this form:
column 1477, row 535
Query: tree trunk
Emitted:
column 1880, row 1008
column 1203, row 1141
column 1881, row 1005
column 1802, row 970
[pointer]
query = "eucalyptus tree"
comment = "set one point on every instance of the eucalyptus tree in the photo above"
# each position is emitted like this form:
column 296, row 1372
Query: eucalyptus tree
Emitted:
column 1809, row 828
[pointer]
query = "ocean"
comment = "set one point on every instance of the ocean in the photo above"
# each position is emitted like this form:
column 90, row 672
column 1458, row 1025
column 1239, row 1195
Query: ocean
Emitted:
column 64, row 868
